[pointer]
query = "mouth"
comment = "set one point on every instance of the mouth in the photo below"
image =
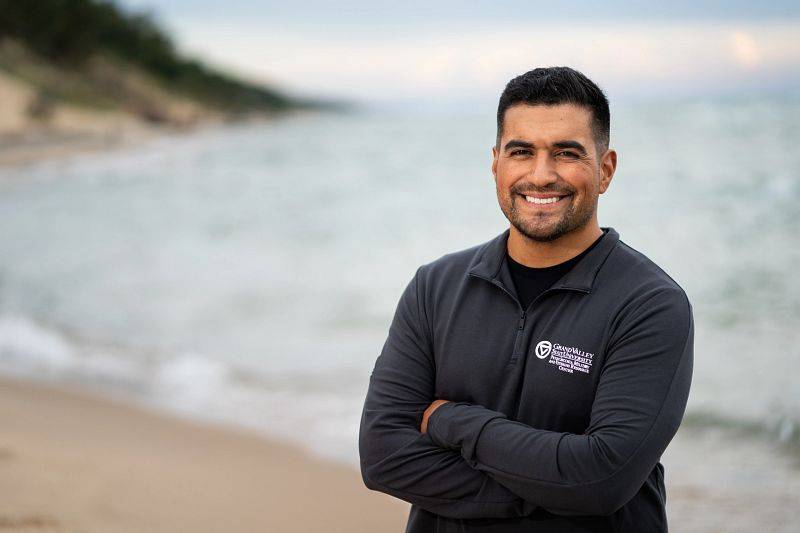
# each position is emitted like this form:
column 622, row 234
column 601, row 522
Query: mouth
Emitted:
column 545, row 201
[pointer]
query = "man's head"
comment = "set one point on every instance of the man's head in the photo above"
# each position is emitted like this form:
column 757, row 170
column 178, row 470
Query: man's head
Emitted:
column 552, row 142
column 553, row 86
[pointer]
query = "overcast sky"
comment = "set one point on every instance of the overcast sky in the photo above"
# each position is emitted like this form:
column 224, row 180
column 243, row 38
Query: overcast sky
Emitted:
column 465, row 52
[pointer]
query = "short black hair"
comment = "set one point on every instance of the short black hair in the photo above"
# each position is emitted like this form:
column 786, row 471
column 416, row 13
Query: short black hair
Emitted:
column 553, row 86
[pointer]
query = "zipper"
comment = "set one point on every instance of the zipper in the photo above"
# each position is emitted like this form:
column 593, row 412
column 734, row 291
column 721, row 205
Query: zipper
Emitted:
column 518, row 339
column 523, row 312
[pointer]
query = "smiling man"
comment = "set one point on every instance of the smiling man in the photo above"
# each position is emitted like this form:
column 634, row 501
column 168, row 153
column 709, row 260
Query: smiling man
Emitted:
column 532, row 382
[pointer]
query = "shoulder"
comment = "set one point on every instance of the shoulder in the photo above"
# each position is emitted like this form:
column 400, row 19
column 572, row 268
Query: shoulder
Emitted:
column 453, row 265
column 435, row 282
column 641, row 287
column 638, row 271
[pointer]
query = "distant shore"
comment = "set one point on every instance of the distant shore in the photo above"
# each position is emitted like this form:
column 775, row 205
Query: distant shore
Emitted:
column 36, row 146
column 67, row 129
column 31, row 131
column 96, row 135
column 71, row 461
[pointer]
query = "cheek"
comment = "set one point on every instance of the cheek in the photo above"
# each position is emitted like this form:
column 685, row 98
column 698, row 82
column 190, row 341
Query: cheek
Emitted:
column 574, row 171
column 503, row 183
column 581, row 179
column 509, row 174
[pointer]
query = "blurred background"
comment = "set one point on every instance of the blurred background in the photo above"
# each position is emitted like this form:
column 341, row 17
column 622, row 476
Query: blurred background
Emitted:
column 211, row 209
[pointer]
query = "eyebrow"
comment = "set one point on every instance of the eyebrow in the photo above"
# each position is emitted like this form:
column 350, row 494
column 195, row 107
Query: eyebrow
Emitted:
column 575, row 145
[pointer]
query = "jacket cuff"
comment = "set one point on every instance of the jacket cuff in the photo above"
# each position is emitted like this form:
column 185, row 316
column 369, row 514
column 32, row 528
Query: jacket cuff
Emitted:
column 458, row 425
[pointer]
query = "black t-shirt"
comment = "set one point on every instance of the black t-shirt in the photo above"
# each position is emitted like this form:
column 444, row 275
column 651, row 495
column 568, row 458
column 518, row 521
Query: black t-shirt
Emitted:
column 531, row 282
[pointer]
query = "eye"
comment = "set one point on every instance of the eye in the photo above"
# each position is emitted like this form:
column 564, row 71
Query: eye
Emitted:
column 519, row 151
column 568, row 154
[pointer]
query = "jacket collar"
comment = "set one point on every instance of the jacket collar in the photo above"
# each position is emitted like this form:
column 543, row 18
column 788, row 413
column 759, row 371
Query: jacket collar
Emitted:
column 490, row 263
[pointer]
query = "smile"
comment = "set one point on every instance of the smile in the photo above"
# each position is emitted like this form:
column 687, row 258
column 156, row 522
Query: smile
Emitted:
column 544, row 201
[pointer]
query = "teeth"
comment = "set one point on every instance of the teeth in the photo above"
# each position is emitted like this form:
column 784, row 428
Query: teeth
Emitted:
column 534, row 200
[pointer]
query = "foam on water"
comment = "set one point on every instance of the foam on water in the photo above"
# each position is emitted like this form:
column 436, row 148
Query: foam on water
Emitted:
column 29, row 348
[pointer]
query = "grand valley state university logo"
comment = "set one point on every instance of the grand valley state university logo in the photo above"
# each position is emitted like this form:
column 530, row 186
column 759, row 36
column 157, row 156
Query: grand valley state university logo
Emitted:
column 566, row 358
column 543, row 349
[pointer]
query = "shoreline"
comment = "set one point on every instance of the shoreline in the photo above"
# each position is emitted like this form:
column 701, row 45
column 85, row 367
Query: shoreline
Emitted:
column 74, row 461
column 35, row 145
column 77, row 460
column 32, row 148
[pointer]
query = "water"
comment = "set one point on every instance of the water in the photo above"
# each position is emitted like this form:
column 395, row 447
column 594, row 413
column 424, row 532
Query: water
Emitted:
column 248, row 274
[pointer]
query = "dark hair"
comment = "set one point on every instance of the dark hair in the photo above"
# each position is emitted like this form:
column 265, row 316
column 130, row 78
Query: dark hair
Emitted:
column 558, row 85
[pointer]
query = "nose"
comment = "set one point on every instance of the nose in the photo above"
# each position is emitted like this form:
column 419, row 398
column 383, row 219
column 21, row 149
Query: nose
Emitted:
column 543, row 172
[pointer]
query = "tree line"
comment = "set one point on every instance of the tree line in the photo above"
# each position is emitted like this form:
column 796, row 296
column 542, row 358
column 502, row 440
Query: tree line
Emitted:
column 70, row 32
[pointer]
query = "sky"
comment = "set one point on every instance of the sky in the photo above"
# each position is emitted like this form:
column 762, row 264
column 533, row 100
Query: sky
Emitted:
column 463, row 53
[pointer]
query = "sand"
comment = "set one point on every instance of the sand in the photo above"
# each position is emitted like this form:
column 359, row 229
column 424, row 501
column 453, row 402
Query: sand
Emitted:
column 73, row 461
column 69, row 129
column 70, row 461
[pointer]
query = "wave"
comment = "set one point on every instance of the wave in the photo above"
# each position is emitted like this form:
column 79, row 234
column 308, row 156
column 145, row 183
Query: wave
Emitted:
column 199, row 386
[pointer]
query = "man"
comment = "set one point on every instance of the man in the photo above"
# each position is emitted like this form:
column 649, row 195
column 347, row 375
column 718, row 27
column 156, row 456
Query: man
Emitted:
column 532, row 383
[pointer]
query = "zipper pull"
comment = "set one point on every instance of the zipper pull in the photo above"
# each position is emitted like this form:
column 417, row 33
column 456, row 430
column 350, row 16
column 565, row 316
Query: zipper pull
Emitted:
column 521, row 321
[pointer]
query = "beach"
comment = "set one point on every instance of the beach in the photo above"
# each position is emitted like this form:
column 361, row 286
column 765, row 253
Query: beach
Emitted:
column 183, row 276
column 77, row 462
column 210, row 214
column 74, row 462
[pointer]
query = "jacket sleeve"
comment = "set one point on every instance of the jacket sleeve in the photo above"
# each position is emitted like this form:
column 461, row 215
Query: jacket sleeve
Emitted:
column 638, row 406
column 396, row 458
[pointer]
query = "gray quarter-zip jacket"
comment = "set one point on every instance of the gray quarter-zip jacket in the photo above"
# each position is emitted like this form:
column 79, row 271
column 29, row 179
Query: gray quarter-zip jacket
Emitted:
column 559, row 413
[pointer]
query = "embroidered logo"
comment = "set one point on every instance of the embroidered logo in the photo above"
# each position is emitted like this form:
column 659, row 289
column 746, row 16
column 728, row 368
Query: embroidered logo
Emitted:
column 566, row 358
column 543, row 349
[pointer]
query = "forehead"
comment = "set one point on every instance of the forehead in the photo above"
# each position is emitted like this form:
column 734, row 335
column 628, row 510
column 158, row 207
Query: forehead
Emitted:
column 547, row 122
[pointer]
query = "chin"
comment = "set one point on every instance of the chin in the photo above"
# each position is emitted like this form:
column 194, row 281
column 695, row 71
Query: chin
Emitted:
column 552, row 231
column 547, row 237
column 540, row 234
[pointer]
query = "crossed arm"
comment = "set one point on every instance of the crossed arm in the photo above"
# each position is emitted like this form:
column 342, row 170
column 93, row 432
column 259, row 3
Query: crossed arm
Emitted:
column 398, row 459
column 473, row 462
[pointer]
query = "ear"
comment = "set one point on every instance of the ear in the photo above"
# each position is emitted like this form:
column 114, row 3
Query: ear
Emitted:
column 495, row 154
column 608, row 165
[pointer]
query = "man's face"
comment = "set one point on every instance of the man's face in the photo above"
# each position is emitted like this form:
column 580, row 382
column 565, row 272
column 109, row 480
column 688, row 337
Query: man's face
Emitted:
column 548, row 154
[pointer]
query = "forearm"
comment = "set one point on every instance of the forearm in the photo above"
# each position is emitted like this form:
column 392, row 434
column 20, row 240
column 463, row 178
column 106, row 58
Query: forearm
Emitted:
column 540, row 466
column 409, row 466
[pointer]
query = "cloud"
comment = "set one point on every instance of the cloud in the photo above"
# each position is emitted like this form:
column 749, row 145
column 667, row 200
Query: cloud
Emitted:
column 745, row 49
column 473, row 61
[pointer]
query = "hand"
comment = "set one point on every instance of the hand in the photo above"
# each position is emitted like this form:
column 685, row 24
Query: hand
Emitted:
column 428, row 412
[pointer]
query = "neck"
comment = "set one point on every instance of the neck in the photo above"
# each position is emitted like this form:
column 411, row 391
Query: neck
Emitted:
column 538, row 254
